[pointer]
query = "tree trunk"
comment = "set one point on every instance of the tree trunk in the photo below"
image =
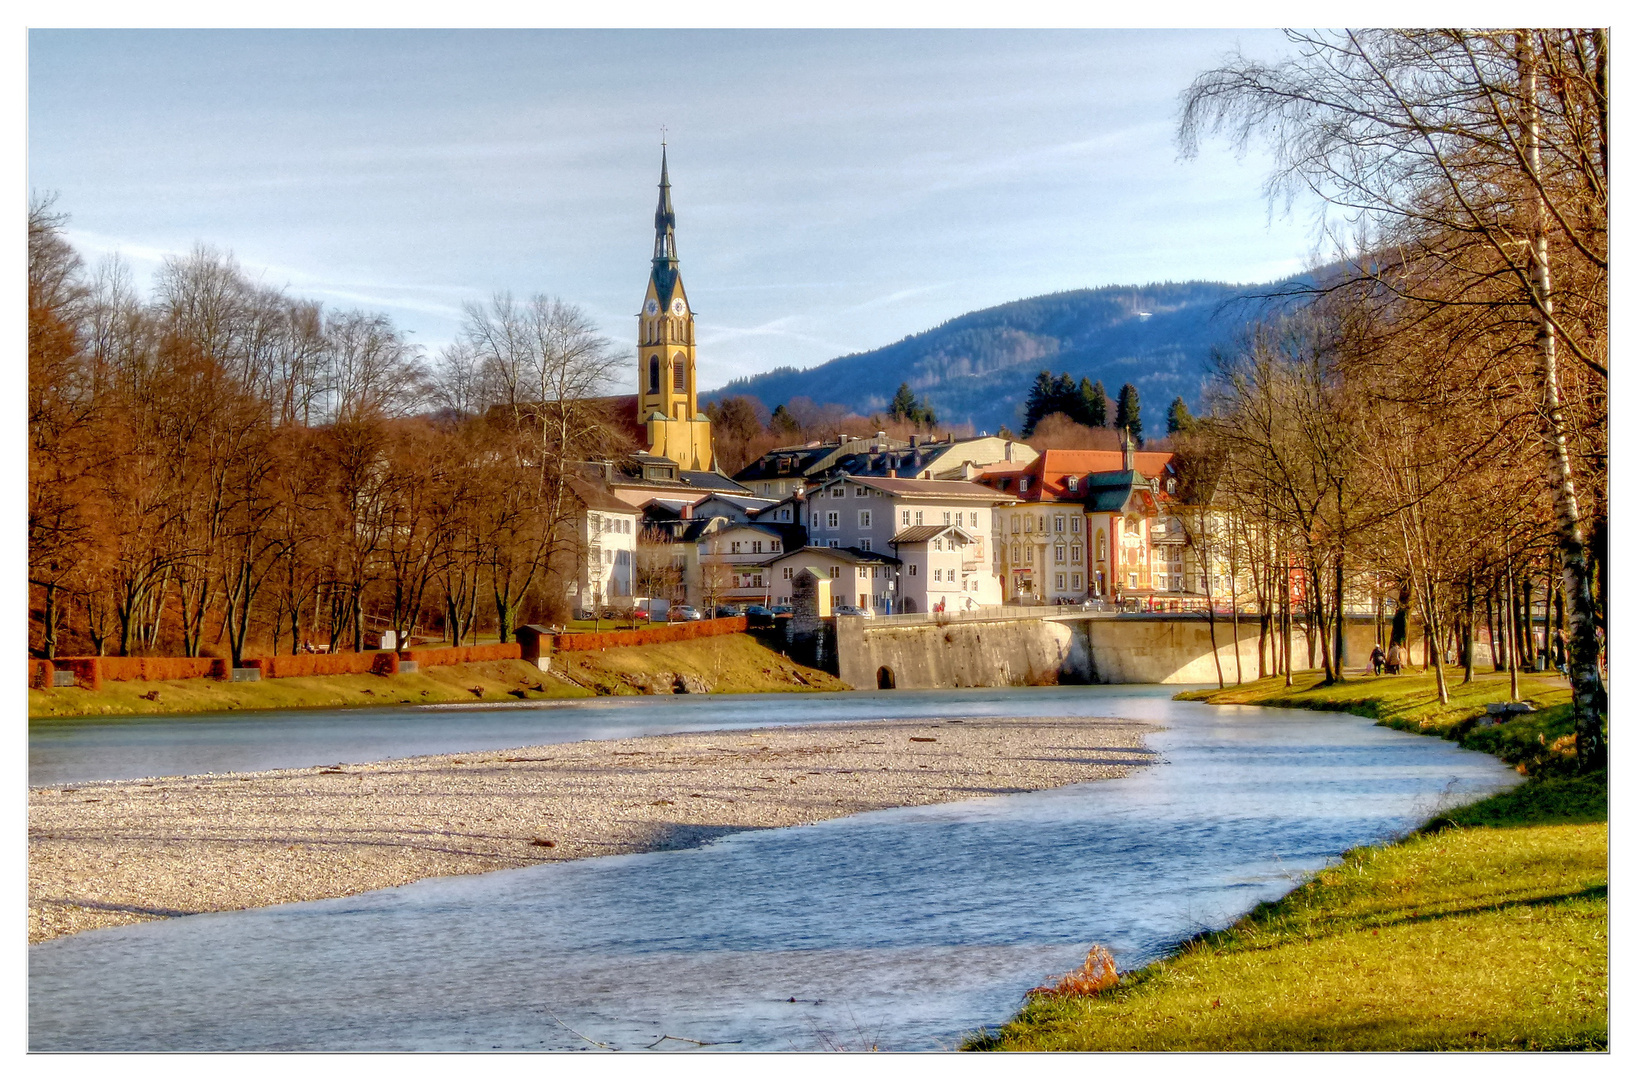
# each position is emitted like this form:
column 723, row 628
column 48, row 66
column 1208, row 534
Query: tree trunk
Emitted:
column 1589, row 694
column 1340, row 616
column 1469, row 643
column 1512, row 654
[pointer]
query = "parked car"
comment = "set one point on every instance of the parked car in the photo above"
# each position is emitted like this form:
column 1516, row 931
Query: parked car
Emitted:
column 848, row 609
column 759, row 616
column 727, row 611
column 684, row 613
column 782, row 609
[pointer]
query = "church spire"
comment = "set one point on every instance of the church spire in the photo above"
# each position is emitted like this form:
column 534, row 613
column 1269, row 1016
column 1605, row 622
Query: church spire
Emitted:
column 664, row 219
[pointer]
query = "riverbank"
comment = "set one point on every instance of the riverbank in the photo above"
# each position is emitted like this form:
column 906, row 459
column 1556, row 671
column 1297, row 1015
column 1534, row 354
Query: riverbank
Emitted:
column 735, row 663
column 1486, row 929
column 103, row 854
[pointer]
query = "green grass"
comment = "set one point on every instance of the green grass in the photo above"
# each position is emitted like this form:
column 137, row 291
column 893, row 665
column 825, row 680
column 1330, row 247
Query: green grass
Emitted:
column 1484, row 930
column 732, row 663
column 495, row 680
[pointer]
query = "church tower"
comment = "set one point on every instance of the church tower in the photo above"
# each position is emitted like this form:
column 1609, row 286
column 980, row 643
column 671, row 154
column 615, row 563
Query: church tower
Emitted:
column 667, row 379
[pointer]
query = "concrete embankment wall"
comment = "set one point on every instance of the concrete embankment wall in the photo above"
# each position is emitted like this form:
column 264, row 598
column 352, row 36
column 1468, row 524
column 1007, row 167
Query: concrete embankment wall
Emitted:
column 1019, row 652
column 922, row 657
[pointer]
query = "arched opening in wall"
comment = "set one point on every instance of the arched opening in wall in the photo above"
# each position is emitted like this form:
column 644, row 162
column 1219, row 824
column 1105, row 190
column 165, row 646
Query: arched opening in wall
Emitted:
column 679, row 368
column 909, row 606
column 885, row 680
column 653, row 374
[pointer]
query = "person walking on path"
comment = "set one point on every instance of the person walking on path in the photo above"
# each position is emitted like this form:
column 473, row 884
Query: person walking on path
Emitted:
column 1377, row 660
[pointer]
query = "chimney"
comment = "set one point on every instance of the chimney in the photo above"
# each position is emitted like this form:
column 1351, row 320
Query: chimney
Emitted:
column 1127, row 453
column 893, row 473
column 687, row 511
column 1008, row 449
column 914, row 440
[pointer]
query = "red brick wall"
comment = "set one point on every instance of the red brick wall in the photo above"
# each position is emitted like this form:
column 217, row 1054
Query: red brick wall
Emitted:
column 653, row 635
column 465, row 654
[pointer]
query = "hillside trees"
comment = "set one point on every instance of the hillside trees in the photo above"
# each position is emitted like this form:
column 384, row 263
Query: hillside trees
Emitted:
column 1128, row 413
column 1471, row 170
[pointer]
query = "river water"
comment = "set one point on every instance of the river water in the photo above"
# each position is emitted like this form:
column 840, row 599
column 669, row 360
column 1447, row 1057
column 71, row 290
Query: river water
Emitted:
column 900, row 929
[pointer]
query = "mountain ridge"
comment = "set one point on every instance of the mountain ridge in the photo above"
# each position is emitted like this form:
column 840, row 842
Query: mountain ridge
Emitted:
column 977, row 367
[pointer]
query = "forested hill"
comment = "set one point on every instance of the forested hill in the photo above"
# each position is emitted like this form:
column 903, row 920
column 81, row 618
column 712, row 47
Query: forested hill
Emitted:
column 978, row 367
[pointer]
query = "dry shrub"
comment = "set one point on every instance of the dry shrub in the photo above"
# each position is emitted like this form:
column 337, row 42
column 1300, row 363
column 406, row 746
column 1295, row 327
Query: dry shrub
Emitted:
column 1096, row 975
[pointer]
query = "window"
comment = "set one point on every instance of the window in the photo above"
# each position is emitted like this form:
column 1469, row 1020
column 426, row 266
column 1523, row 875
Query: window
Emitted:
column 1133, row 526
column 1076, row 520
column 832, row 518
column 946, row 518
column 653, row 374
column 777, row 545
column 1058, row 523
column 1016, row 553
column 1076, row 553
column 783, row 515
column 1077, row 583
column 680, row 371
column 937, row 575
column 1022, row 485
column 1133, row 580
column 834, row 543
column 755, row 547
column 1061, row 583
column 865, row 520
column 960, row 518
column 906, row 517
column 1101, row 546
column 863, row 572
column 1028, row 523
column 1061, row 553
column 735, row 548
column 920, row 517
column 838, row 491
column 1073, row 483
column 937, row 543
column 789, row 572
column 860, row 493
column 863, row 543
column 914, row 570
column 834, row 572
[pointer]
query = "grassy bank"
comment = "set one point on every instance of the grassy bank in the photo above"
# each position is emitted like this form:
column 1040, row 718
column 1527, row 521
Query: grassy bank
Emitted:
column 737, row 663
column 1487, row 929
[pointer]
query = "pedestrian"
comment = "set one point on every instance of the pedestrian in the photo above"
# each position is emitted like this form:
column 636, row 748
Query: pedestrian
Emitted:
column 1377, row 659
column 1394, row 660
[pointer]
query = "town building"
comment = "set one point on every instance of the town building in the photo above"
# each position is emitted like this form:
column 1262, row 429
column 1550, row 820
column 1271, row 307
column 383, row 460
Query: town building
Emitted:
column 779, row 472
column 938, row 529
column 605, row 532
column 864, row 579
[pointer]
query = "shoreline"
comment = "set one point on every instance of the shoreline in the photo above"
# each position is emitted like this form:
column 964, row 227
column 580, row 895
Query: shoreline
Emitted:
column 109, row 853
column 736, row 663
column 1338, row 963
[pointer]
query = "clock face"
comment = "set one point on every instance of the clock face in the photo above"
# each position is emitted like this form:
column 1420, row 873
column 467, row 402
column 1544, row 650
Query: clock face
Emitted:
column 653, row 306
column 678, row 306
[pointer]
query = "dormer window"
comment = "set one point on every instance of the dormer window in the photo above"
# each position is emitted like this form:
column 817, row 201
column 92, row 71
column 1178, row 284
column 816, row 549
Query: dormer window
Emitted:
column 1022, row 484
column 1073, row 483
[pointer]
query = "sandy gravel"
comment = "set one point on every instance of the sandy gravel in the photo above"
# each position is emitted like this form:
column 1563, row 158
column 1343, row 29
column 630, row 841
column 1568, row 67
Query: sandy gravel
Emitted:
column 102, row 854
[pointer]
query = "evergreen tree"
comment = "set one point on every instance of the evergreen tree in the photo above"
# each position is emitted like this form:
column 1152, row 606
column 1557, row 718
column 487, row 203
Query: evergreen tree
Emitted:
column 1039, row 402
column 1096, row 402
column 1129, row 412
column 1065, row 398
column 782, row 423
column 903, row 404
column 1178, row 419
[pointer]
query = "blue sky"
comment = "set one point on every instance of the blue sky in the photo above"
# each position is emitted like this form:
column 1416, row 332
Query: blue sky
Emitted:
column 834, row 190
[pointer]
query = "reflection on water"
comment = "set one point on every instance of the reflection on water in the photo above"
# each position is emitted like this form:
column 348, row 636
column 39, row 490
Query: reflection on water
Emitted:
column 902, row 929
column 61, row 752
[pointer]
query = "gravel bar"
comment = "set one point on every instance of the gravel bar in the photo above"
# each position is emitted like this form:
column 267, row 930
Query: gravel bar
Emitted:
column 107, row 853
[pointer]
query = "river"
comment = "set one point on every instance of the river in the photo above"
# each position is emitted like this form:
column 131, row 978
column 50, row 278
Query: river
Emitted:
column 900, row 929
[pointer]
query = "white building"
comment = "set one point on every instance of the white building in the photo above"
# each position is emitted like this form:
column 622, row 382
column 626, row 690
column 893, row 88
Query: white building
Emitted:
column 937, row 529
column 605, row 534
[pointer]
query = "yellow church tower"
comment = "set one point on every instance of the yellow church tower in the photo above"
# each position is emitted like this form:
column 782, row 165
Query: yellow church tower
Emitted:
column 667, row 379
